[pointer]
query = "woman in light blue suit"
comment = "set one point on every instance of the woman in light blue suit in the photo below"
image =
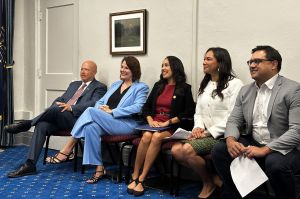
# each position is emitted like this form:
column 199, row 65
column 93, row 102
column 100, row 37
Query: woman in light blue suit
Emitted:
column 113, row 114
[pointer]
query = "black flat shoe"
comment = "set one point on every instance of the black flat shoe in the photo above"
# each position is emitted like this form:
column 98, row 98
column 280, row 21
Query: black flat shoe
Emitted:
column 214, row 194
column 130, row 191
column 18, row 127
column 139, row 193
column 24, row 170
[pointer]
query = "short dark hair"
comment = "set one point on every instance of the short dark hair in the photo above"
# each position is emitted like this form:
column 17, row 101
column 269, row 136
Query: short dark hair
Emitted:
column 271, row 54
column 134, row 66
column 177, row 70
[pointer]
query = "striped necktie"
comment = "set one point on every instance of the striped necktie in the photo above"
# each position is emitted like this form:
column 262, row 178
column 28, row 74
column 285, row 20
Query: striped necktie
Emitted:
column 78, row 93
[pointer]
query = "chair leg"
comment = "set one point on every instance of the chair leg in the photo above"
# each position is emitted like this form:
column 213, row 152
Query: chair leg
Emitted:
column 164, row 162
column 266, row 189
column 127, row 177
column 121, row 163
column 178, row 180
column 81, row 148
column 172, row 176
column 75, row 157
column 110, row 153
column 46, row 149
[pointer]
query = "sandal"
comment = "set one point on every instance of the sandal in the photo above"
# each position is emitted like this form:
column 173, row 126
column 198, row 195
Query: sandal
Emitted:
column 129, row 190
column 94, row 179
column 139, row 193
column 55, row 160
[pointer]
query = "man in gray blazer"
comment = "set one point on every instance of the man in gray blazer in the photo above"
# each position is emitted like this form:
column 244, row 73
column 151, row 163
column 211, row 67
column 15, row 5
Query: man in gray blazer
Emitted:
column 61, row 115
column 265, row 125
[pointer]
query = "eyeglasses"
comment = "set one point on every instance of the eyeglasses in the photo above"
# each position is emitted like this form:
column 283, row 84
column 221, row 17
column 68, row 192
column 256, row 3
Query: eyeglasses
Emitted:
column 256, row 61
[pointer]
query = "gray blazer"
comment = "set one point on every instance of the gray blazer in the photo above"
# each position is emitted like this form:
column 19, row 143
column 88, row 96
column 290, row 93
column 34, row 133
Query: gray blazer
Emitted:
column 283, row 114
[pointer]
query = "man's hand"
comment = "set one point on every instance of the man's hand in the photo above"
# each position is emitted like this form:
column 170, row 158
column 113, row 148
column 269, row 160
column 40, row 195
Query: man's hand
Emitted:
column 234, row 147
column 254, row 151
column 197, row 133
column 66, row 107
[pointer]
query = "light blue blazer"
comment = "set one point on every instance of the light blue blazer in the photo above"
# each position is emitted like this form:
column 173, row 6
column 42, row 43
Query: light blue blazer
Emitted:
column 94, row 123
column 130, row 104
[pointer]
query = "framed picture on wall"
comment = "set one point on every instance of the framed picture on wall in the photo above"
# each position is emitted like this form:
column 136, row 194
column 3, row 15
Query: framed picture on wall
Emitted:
column 128, row 32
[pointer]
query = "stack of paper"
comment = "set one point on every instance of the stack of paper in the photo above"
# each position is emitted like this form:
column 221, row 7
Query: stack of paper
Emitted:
column 180, row 134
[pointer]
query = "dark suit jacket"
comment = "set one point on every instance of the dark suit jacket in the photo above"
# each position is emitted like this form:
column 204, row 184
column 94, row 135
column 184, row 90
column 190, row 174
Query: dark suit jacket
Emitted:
column 91, row 94
column 182, row 105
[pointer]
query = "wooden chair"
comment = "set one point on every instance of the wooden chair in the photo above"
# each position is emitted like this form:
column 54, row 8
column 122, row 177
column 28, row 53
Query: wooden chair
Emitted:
column 64, row 133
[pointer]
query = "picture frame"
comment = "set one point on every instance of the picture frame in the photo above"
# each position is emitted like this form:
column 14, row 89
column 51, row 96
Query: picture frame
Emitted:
column 128, row 32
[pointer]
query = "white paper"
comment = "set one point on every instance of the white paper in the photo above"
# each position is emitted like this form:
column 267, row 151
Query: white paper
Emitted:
column 246, row 174
column 180, row 134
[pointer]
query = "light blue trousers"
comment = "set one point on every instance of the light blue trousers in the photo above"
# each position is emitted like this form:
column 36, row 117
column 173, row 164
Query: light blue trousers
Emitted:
column 92, row 124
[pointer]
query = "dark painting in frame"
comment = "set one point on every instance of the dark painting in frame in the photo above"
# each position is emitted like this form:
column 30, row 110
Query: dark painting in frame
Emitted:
column 128, row 32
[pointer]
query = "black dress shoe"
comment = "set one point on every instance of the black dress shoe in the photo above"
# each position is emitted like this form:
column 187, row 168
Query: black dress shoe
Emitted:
column 24, row 170
column 18, row 127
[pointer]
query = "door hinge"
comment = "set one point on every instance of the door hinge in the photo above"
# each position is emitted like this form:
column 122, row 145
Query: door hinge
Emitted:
column 40, row 16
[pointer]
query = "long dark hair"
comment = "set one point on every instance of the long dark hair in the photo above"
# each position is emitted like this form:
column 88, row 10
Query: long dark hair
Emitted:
column 225, row 72
column 177, row 68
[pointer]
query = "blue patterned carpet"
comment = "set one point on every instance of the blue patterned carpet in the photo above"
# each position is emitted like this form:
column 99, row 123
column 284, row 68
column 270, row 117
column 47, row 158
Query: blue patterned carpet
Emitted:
column 59, row 181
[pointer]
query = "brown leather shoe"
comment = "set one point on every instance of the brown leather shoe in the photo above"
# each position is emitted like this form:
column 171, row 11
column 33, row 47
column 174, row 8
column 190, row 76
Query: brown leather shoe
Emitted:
column 18, row 127
column 24, row 170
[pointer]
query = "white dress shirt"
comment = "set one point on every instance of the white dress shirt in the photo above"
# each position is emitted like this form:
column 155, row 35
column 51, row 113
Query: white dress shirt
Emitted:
column 260, row 131
column 212, row 113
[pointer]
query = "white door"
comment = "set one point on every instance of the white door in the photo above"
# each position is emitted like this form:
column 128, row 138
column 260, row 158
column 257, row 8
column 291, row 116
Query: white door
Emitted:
column 58, row 51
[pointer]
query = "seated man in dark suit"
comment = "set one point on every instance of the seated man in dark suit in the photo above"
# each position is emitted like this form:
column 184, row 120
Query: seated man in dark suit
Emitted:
column 269, row 108
column 61, row 115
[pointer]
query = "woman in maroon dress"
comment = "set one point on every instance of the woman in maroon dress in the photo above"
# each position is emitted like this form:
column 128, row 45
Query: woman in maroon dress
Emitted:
column 169, row 101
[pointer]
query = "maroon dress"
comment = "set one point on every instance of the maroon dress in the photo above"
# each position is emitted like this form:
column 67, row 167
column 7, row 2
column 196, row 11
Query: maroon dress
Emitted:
column 163, row 104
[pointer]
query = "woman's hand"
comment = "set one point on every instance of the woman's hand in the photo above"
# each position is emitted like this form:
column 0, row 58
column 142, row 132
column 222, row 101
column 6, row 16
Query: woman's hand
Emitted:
column 106, row 109
column 158, row 124
column 163, row 124
column 197, row 133
column 153, row 123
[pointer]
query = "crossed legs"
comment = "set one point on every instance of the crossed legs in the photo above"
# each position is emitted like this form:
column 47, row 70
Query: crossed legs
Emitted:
column 186, row 155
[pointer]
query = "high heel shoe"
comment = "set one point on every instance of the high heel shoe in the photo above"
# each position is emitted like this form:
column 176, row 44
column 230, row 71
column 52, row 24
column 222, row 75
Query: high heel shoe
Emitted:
column 55, row 160
column 94, row 179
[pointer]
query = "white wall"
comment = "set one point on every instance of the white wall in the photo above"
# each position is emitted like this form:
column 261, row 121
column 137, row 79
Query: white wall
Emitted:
column 24, row 59
column 241, row 25
column 170, row 32
column 175, row 27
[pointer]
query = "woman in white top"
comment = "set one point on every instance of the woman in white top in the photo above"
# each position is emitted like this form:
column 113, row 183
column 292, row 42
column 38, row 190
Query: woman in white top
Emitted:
column 217, row 93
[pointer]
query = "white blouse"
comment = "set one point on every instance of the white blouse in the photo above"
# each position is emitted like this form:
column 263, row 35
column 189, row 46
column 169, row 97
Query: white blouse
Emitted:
column 212, row 113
